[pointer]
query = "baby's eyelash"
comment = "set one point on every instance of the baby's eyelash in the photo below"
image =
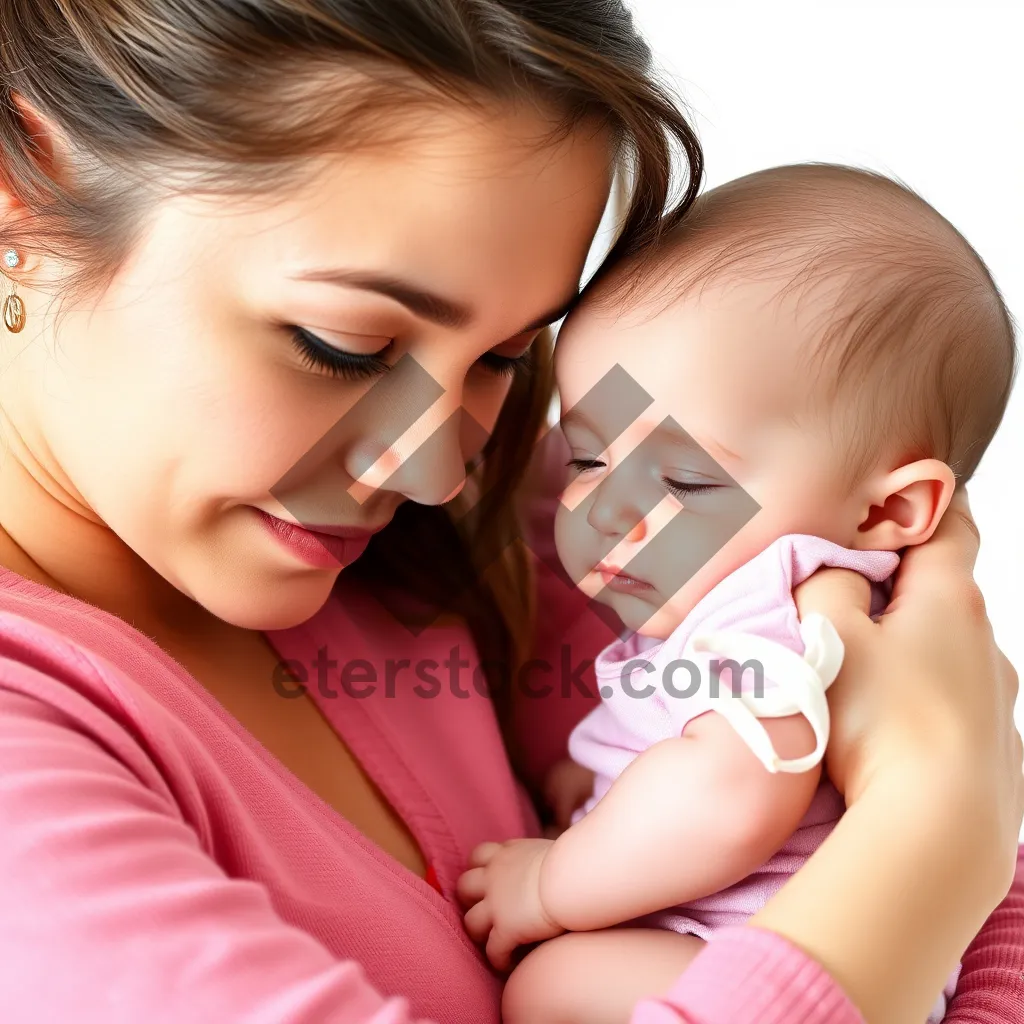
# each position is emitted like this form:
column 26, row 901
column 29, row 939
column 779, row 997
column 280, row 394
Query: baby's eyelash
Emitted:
column 582, row 465
column 679, row 488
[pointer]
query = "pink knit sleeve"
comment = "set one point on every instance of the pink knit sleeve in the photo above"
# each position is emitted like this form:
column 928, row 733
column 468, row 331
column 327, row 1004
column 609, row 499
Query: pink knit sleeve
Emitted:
column 749, row 976
column 111, row 913
column 991, row 985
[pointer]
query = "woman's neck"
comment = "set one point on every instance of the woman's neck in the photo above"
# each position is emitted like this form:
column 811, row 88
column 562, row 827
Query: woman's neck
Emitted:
column 50, row 538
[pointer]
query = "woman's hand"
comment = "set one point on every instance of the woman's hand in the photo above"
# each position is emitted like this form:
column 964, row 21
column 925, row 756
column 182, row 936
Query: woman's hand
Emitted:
column 926, row 687
column 924, row 747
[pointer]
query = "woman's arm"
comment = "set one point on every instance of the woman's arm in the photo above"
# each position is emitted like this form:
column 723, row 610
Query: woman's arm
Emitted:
column 991, row 985
column 750, row 976
column 931, row 767
column 894, row 896
column 110, row 911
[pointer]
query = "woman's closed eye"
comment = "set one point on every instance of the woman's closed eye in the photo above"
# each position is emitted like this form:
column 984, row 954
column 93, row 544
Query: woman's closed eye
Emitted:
column 507, row 366
column 512, row 357
column 323, row 356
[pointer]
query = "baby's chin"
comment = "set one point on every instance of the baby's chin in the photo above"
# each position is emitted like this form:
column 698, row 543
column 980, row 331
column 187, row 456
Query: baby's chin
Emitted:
column 651, row 614
column 658, row 618
column 660, row 626
column 642, row 616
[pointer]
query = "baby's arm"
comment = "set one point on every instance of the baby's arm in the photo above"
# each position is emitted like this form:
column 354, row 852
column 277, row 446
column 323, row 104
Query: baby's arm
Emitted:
column 689, row 817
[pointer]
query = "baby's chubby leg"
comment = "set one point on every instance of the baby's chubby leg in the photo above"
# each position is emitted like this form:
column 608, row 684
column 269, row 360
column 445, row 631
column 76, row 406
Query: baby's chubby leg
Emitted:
column 595, row 977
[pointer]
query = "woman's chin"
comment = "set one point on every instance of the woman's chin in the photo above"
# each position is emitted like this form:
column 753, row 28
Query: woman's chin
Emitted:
column 269, row 605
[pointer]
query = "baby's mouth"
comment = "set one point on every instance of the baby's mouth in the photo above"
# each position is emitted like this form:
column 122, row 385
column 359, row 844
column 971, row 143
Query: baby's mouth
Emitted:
column 615, row 579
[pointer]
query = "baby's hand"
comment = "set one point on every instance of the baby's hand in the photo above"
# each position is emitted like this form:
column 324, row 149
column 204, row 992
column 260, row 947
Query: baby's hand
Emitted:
column 502, row 891
column 567, row 787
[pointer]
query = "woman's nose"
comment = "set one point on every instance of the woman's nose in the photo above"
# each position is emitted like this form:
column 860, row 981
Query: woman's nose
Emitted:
column 430, row 467
column 425, row 464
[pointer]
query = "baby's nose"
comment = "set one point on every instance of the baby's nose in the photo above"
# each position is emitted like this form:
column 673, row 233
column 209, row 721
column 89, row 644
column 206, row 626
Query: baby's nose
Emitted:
column 615, row 515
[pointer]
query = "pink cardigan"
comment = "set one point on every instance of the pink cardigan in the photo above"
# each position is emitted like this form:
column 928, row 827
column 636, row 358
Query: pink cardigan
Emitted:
column 159, row 865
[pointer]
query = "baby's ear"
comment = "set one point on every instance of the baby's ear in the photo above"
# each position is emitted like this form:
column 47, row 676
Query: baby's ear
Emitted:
column 903, row 507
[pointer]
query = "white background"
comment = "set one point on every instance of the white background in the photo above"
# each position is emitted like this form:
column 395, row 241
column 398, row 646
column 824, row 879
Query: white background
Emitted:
column 930, row 92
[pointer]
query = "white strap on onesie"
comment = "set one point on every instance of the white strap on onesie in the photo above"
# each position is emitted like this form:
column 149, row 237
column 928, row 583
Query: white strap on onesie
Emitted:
column 799, row 686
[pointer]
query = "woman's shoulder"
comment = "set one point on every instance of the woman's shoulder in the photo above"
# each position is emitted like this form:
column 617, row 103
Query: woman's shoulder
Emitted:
column 73, row 705
column 59, row 636
column 95, row 676
column 54, row 634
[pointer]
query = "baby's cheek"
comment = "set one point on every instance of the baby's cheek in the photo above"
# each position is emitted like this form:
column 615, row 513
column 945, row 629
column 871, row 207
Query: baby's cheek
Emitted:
column 577, row 491
column 799, row 484
column 804, row 508
column 571, row 526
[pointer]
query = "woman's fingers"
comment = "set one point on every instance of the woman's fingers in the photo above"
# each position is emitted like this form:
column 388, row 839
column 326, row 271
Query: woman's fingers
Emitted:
column 1008, row 674
column 842, row 596
column 944, row 566
column 958, row 528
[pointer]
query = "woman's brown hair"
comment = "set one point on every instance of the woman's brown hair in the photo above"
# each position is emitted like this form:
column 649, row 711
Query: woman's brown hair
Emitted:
column 231, row 93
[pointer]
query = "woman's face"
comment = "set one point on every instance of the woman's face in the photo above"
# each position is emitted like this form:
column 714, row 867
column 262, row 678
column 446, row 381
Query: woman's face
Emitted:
column 192, row 408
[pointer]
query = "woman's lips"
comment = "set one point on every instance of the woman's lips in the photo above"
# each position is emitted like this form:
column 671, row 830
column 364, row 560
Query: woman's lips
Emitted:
column 615, row 579
column 321, row 546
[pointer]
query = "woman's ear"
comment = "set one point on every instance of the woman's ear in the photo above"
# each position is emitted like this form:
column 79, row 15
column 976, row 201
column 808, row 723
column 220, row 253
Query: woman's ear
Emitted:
column 47, row 143
column 903, row 507
column 46, row 147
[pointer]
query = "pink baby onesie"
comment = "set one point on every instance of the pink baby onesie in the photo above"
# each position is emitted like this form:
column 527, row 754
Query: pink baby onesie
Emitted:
column 650, row 691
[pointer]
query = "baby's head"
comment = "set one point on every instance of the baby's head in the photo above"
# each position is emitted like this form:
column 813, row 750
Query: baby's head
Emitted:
column 815, row 350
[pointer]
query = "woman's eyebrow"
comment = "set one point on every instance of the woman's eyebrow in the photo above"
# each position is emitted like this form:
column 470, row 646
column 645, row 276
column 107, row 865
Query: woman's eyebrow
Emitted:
column 423, row 303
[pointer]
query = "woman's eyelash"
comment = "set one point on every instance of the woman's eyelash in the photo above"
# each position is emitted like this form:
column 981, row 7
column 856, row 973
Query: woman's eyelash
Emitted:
column 317, row 354
column 507, row 366
column 679, row 488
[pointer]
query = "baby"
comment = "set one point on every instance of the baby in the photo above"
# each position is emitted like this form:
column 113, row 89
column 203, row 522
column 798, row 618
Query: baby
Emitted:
column 799, row 377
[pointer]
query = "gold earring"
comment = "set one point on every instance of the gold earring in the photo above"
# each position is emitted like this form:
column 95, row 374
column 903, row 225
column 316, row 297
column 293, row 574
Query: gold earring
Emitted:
column 14, row 308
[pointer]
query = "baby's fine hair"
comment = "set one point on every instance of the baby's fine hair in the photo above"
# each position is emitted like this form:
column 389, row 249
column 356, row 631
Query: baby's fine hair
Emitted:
column 915, row 353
